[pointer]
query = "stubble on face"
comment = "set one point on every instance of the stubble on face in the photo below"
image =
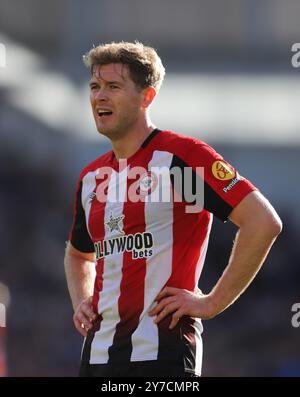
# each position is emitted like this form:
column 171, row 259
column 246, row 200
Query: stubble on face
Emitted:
column 124, row 101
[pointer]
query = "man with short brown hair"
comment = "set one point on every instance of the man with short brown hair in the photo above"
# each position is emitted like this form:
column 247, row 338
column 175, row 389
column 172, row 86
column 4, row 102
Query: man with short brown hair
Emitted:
column 140, row 308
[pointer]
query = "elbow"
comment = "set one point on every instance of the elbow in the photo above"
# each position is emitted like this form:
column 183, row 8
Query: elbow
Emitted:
column 276, row 227
column 256, row 213
column 272, row 225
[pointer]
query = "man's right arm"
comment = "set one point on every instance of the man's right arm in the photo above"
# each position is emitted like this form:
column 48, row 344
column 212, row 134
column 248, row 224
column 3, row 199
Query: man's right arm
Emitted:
column 80, row 274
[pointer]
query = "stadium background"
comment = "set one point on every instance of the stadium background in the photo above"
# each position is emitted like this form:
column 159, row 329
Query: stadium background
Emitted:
column 229, row 81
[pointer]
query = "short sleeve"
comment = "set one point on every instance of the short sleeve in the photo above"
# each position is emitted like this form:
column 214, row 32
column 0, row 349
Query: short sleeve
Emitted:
column 224, row 187
column 79, row 235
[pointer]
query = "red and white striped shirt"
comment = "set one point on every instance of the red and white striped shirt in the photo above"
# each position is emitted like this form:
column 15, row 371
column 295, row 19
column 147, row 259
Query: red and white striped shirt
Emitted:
column 144, row 246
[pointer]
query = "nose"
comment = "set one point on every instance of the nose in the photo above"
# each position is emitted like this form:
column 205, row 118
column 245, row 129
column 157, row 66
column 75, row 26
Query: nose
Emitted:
column 101, row 95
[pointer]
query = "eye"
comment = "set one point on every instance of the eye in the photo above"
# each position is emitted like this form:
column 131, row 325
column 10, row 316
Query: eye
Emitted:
column 113, row 86
column 93, row 87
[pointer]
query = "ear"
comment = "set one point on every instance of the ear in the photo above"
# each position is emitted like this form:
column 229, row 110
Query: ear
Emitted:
column 149, row 94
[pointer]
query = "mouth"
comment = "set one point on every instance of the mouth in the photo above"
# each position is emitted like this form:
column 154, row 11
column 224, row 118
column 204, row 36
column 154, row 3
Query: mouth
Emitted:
column 102, row 113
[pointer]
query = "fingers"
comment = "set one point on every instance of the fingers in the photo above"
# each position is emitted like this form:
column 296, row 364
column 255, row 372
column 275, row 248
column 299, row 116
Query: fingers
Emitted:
column 84, row 317
column 175, row 301
column 165, row 308
column 167, row 291
column 80, row 327
column 160, row 306
column 175, row 319
column 87, row 311
column 166, row 311
column 84, row 321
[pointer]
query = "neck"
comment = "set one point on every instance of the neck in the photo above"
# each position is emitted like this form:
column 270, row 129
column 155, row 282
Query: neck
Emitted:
column 127, row 145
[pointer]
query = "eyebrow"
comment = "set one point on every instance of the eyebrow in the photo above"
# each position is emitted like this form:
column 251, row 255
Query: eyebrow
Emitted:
column 107, row 81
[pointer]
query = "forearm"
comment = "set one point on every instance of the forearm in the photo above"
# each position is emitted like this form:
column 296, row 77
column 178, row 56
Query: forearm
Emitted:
column 250, row 249
column 259, row 226
column 249, row 252
column 80, row 274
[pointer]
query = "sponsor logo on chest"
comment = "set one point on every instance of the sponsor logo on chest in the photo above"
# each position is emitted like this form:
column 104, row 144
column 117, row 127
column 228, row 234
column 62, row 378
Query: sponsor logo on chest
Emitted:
column 140, row 244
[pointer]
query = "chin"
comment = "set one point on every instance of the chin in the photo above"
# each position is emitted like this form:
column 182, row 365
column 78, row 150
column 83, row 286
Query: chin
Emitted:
column 105, row 131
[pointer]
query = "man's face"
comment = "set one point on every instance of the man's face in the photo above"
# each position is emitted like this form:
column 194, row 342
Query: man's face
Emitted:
column 116, row 101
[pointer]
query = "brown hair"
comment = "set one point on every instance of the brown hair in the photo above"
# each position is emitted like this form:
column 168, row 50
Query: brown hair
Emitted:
column 145, row 66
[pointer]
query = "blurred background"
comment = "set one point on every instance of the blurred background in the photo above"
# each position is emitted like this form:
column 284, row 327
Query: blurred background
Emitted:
column 229, row 81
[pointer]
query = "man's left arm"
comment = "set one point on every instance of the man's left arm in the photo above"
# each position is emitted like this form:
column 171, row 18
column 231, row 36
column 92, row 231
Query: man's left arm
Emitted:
column 259, row 225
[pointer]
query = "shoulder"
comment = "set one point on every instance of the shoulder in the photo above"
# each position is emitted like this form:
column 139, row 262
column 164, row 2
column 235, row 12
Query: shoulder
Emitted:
column 95, row 164
column 183, row 145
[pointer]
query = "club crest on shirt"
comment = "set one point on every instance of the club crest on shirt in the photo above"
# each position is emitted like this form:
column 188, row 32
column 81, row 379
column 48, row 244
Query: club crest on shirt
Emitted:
column 222, row 170
column 148, row 183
